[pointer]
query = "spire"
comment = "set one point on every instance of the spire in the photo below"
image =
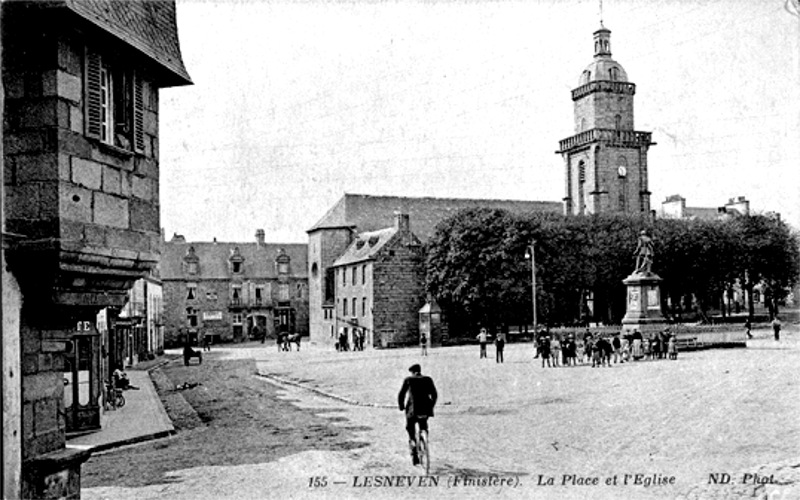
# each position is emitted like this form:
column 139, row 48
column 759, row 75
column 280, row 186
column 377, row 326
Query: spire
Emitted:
column 602, row 42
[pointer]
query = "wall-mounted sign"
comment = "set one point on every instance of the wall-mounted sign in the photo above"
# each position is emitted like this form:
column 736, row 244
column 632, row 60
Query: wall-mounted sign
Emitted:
column 212, row 316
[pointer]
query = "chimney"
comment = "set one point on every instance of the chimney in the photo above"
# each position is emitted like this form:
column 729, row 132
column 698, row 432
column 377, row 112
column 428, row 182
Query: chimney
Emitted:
column 401, row 222
column 260, row 236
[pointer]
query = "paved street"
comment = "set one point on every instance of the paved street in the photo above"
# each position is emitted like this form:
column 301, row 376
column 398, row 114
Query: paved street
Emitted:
column 724, row 412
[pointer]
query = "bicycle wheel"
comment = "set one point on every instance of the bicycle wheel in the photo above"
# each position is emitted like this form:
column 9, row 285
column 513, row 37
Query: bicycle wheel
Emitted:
column 423, row 452
column 120, row 400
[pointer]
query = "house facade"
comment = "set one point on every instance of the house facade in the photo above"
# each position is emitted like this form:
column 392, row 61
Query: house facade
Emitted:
column 380, row 286
column 80, row 212
column 392, row 286
column 232, row 292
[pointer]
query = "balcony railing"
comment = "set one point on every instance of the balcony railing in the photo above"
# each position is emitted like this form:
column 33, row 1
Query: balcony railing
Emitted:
column 604, row 86
column 629, row 138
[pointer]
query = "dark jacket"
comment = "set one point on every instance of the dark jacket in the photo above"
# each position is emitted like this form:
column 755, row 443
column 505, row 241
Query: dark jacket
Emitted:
column 421, row 396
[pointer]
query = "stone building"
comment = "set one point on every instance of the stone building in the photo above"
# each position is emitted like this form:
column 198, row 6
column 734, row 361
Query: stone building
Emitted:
column 380, row 286
column 231, row 292
column 606, row 159
column 333, row 247
column 674, row 207
column 80, row 212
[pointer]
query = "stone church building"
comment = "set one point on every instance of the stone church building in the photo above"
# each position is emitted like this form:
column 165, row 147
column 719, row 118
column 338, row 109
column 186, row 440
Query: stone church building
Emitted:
column 606, row 159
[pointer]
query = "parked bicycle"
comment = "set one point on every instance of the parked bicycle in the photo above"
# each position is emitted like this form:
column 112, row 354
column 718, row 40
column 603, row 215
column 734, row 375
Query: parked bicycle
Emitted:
column 113, row 398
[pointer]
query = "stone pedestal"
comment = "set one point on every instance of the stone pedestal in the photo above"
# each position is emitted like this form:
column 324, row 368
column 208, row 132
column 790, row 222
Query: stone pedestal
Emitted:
column 643, row 304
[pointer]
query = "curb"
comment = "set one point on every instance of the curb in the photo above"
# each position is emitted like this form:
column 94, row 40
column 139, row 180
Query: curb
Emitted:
column 125, row 442
column 320, row 392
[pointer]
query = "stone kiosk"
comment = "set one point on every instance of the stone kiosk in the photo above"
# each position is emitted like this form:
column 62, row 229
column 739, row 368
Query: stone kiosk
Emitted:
column 643, row 312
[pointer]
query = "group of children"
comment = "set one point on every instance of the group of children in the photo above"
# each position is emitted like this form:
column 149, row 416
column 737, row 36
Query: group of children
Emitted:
column 602, row 350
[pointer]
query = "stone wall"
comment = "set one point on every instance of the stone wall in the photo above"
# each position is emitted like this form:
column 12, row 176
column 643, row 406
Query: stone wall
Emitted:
column 398, row 292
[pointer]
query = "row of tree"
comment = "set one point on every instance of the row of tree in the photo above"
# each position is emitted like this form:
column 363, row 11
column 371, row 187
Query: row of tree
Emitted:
column 477, row 271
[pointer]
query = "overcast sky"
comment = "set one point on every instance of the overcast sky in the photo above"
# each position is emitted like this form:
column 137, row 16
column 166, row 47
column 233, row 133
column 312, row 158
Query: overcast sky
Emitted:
column 296, row 103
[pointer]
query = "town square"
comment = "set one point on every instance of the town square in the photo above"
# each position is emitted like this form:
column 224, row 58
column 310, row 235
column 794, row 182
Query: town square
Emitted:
column 350, row 249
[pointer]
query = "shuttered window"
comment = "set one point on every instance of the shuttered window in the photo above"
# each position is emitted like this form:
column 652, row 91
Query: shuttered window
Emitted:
column 114, row 103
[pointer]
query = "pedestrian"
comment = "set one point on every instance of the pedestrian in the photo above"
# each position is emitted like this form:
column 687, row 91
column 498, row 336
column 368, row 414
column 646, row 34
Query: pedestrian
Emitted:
column 617, row 345
column 597, row 350
column 626, row 349
column 545, row 351
column 555, row 350
column 587, row 347
column 776, row 327
column 423, row 342
column 636, row 349
column 647, row 348
column 608, row 350
column 482, row 338
column 206, row 341
column 499, row 344
column 747, row 328
column 672, row 346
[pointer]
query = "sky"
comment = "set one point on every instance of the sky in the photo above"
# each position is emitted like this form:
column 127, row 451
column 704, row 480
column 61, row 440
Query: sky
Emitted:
column 296, row 103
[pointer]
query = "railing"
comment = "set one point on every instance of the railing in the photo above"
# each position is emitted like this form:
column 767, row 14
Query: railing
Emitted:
column 610, row 136
column 604, row 86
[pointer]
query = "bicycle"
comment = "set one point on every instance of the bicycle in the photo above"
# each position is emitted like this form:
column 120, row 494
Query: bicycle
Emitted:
column 114, row 398
column 423, row 450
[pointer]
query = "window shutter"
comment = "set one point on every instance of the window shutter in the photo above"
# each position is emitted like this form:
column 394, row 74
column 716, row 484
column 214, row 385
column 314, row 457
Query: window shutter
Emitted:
column 92, row 107
column 138, row 113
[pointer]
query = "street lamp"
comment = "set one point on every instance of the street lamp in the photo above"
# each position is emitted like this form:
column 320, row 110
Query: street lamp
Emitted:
column 530, row 254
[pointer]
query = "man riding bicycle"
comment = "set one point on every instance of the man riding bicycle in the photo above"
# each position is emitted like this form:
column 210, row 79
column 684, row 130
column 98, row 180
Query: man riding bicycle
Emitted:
column 418, row 407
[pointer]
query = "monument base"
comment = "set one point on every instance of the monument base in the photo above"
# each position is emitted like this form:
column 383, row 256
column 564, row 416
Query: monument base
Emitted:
column 643, row 312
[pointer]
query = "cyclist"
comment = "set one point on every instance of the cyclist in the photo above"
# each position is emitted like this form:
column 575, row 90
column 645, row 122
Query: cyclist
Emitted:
column 419, row 405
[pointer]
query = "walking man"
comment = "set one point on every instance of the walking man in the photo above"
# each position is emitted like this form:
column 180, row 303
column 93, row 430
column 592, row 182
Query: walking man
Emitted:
column 423, row 342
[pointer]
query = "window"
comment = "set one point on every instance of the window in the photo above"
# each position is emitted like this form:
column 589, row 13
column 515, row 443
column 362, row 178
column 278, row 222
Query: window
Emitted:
column 236, row 294
column 192, row 267
column 364, row 274
column 283, row 292
column 344, row 307
column 613, row 73
column 355, row 273
column 237, row 319
column 344, row 276
column 191, row 317
column 283, row 267
column 237, row 267
column 114, row 112
column 364, row 307
column 617, row 122
column 191, row 291
column 581, row 172
column 354, row 305
column 299, row 290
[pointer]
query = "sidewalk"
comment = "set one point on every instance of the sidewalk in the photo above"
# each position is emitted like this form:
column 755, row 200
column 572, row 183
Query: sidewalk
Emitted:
column 141, row 419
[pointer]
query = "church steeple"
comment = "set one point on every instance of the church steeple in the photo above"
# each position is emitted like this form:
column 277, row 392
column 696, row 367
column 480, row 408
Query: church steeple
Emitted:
column 602, row 42
column 606, row 159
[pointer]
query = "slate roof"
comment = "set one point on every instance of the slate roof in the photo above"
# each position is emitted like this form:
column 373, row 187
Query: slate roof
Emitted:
column 259, row 260
column 368, row 213
column 150, row 26
column 366, row 246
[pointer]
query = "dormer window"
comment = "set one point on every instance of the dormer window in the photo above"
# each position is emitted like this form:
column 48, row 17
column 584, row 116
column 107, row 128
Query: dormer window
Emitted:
column 191, row 291
column 236, row 261
column 613, row 73
column 282, row 262
column 192, row 261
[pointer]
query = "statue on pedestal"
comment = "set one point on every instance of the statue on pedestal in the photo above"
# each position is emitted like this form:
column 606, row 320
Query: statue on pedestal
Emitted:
column 644, row 254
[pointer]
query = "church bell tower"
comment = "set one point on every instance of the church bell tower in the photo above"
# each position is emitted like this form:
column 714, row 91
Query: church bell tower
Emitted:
column 606, row 159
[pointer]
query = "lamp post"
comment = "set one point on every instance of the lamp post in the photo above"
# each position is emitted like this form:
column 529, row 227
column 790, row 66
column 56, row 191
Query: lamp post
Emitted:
column 530, row 253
